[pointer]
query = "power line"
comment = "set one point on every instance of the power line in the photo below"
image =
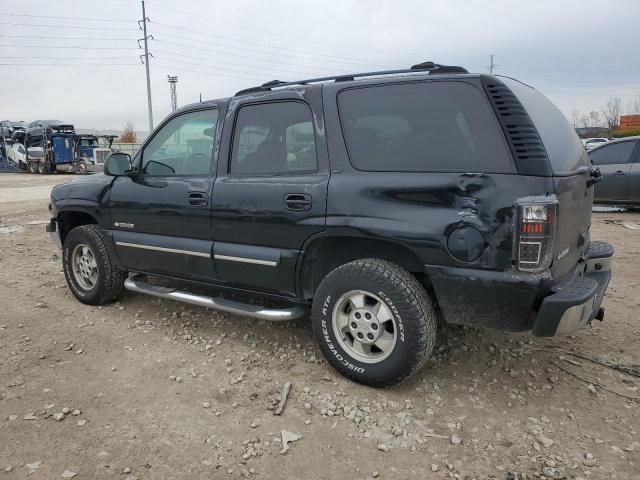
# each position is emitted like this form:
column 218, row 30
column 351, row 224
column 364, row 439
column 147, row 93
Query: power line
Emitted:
column 203, row 66
column 66, row 18
column 71, row 64
column 65, row 26
column 67, row 58
column 248, row 42
column 220, row 52
column 198, row 15
column 68, row 38
column 218, row 62
column 72, row 48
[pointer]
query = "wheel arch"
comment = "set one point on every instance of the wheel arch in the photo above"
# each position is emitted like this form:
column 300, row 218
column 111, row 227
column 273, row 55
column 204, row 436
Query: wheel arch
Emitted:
column 70, row 219
column 325, row 253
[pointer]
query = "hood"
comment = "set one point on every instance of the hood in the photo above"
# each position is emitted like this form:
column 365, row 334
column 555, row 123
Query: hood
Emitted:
column 90, row 188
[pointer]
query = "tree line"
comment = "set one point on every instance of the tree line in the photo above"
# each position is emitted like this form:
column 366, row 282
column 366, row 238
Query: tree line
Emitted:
column 606, row 117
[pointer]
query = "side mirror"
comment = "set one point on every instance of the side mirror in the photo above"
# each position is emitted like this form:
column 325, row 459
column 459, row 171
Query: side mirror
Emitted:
column 117, row 164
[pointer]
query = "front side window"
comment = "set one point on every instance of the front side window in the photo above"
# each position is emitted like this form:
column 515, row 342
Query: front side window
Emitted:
column 422, row 127
column 612, row 154
column 273, row 139
column 184, row 146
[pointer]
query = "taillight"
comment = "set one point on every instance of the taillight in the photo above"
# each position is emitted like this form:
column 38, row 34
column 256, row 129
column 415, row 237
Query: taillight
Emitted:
column 536, row 228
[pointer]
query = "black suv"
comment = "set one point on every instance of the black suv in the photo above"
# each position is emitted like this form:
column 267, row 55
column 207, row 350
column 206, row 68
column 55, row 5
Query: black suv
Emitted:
column 382, row 201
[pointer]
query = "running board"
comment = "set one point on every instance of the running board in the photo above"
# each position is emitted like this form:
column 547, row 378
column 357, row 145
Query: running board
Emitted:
column 135, row 284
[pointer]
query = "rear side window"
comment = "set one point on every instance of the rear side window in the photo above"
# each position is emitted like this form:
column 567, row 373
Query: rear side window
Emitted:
column 273, row 139
column 422, row 127
column 612, row 154
column 564, row 148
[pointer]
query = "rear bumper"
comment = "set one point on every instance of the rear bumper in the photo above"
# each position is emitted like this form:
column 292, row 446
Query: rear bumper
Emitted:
column 520, row 301
column 575, row 300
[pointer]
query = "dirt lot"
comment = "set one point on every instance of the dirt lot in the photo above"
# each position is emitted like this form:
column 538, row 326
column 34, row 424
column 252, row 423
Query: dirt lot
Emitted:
column 165, row 390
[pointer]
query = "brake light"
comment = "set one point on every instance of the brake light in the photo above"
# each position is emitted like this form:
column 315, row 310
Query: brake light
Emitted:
column 535, row 235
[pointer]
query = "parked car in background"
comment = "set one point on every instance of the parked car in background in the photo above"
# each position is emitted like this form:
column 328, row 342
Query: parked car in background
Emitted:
column 590, row 143
column 17, row 154
column 12, row 130
column 619, row 164
column 38, row 129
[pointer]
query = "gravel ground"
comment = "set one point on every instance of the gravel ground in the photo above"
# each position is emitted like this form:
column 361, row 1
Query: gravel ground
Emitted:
column 149, row 389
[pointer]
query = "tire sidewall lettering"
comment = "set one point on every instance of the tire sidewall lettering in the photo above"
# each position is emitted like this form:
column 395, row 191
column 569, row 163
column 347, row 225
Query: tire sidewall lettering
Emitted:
column 329, row 342
column 395, row 313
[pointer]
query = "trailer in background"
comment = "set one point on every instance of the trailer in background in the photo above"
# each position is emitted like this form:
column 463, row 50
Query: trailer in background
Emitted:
column 66, row 152
column 58, row 152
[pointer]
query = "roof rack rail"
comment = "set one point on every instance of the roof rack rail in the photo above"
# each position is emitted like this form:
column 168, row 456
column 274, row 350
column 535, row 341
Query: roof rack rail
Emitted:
column 430, row 67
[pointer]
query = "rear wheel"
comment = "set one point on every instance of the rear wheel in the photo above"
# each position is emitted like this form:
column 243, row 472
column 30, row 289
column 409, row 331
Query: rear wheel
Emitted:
column 89, row 270
column 32, row 167
column 374, row 322
column 42, row 168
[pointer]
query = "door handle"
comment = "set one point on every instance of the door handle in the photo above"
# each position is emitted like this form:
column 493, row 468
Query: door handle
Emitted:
column 297, row 202
column 197, row 199
column 619, row 173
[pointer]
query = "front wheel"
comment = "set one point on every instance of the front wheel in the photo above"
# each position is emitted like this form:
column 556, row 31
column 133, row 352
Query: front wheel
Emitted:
column 374, row 322
column 82, row 167
column 90, row 271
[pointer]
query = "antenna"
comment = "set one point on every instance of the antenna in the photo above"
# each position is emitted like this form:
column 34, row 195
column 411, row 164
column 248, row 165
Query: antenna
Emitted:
column 173, row 79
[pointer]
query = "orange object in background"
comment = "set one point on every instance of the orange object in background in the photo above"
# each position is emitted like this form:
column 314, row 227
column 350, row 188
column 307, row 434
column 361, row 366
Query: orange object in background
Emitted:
column 629, row 121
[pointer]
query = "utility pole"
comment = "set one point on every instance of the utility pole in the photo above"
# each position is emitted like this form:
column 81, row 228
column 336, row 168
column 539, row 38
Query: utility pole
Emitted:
column 173, row 79
column 146, row 61
column 492, row 65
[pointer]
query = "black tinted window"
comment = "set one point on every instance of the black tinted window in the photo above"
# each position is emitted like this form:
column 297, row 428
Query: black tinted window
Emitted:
column 614, row 153
column 565, row 150
column 274, row 138
column 183, row 146
column 422, row 127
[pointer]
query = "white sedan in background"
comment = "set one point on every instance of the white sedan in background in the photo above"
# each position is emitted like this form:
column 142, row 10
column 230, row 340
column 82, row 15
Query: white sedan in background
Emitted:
column 17, row 154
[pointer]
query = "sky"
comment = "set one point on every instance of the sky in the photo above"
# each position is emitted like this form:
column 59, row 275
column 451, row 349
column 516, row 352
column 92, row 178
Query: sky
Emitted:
column 85, row 68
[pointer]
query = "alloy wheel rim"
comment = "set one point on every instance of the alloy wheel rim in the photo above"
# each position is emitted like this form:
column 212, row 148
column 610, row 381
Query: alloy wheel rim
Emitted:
column 84, row 266
column 364, row 326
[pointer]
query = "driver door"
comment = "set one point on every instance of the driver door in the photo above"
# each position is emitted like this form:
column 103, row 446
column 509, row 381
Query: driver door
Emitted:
column 161, row 218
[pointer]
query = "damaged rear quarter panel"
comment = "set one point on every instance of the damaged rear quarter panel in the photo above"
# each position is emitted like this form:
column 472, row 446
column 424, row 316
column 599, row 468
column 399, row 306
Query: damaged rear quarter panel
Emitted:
column 420, row 210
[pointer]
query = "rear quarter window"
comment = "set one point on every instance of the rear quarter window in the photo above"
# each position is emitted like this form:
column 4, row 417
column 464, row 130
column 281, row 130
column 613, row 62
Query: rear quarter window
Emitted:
column 565, row 150
column 434, row 126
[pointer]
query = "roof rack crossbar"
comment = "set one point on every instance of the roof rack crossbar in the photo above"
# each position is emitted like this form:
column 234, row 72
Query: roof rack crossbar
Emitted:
column 420, row 67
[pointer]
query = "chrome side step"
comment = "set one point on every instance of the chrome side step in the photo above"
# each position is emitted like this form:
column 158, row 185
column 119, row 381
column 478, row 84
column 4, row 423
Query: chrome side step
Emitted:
column 135, row 284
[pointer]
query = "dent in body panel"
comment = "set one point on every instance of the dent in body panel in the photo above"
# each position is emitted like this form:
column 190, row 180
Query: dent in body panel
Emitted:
column 422, row 212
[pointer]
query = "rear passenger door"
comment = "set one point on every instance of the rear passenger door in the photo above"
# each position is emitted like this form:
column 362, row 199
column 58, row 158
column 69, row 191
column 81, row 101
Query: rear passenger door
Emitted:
column 270, row 192
column 614, row 162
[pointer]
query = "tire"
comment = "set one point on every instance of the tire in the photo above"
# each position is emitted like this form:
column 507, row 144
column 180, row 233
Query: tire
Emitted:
column 411, row 322
column 108, row 282
column 31, row 167
column 41, row 168
column 82, row 168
